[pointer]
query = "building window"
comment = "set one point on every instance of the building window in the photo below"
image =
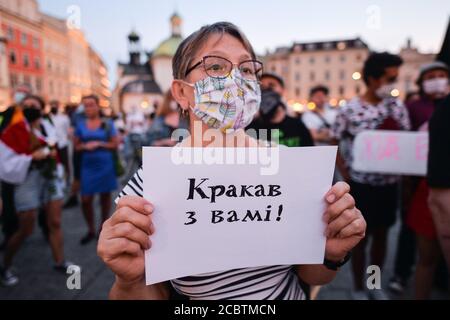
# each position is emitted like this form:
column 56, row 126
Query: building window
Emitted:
column 312, row 60
column 312, row 76
column 26, row 80
column 359, row 57
column 297, row 60
column 328, row 45
column 37, row 63
column 14, row 81
column 12, row 57
column 35, row 43
column 38, row 85
column 327, row 75
column 10, row 34
column 341, row 90
column 343, row 58
column 274, row 69
column 50, row 86
column 297, row 92
column 357, row 90
column 297, row 76
column 327, row 59
column 26, row 61
column 342, row 75
column 24, row 39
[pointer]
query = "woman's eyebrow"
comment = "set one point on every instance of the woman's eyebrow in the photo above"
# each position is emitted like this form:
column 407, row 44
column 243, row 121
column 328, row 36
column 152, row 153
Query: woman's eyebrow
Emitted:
column 218, row 53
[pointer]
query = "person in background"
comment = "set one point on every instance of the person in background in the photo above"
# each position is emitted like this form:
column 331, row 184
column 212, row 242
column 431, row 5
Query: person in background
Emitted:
column 166, row 121
column 25, row 137
column 77, row 116
column 280, row 127
column 320, row 120
column 20, row 92
column 272, row 81
column 273, row 115
column 376, row 194
column 417, row 220
column 438, row 176
column 412, row 96
column 62, row 125
column 95, row 140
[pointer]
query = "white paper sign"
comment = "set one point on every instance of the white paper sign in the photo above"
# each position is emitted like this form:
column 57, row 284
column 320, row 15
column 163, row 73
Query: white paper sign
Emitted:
column 263, row 220
column 391, row 152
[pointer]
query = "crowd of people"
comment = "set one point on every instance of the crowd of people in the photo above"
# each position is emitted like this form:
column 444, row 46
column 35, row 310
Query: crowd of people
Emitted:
column 53, row 158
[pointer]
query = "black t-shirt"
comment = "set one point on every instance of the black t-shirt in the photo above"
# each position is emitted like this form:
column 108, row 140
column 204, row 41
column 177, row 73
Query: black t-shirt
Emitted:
column 439, row 153
column 291, row 132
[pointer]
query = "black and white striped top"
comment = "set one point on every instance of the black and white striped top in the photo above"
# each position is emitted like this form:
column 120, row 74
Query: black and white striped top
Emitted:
column 261, row 283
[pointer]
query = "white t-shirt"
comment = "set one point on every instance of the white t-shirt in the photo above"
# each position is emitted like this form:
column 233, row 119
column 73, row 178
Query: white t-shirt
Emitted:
column 62, row 127
column 136, row 123
column 313, row 121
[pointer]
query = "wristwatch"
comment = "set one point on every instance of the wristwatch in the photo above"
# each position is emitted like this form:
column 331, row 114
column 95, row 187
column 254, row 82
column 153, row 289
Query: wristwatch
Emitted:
column 335, row 266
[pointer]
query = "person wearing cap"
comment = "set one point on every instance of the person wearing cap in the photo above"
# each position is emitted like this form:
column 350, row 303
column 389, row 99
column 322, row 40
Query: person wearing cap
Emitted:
column 417, row 219
column 280, row 127
column 438, row 176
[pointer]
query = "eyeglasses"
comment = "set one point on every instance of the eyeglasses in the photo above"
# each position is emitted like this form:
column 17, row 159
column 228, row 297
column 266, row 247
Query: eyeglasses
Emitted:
column 218, row 67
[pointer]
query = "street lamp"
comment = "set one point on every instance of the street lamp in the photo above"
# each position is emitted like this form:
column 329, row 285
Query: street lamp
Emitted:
column 356, row 76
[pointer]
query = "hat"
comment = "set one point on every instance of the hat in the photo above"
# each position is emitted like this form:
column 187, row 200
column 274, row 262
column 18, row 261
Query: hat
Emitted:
column 436, row 65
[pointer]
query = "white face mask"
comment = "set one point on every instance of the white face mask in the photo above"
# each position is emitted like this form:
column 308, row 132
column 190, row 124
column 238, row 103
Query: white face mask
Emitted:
column 228, row 104
column 385, row 91
column 436, row 86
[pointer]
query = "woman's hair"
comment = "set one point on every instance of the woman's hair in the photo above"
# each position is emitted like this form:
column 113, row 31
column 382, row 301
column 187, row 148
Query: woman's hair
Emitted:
column 36, row 98
column 191, row 45
column 164, row 109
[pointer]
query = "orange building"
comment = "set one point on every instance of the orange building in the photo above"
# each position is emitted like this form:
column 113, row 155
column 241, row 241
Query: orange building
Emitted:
column 21, row 25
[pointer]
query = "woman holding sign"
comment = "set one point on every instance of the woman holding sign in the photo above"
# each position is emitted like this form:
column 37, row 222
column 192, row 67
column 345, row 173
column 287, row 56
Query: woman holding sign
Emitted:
column 222, row 56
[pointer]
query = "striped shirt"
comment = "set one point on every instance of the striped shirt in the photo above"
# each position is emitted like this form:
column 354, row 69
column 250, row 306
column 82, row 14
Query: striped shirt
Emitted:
column 261, row 283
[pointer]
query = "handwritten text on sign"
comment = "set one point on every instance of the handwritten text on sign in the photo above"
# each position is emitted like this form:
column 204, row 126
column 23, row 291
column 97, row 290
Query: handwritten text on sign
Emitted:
column 391, row 152
column 220, row 217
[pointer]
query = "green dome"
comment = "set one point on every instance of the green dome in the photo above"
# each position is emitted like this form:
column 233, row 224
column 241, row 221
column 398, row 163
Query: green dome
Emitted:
column 168, row 47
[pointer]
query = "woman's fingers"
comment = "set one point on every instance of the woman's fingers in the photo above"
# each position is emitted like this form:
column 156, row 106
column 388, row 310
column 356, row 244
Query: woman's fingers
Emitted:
column 136, row 203
column 342, row 221
column 337, row 191
column 356, row 228
column 334, row 210
column 114, row 248
column 130, row 232
column 137, row 219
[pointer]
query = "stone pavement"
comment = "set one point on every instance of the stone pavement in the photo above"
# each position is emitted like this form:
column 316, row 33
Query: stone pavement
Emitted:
column 39, row 281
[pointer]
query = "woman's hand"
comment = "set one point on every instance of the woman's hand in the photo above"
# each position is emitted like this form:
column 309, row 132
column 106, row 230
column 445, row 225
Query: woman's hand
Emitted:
column 345, row 223
column 124, row 238
column 92, row 145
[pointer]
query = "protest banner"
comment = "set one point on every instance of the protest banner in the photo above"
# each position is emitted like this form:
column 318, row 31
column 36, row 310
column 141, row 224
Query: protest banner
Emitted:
column 214, row 214
column 391, row 152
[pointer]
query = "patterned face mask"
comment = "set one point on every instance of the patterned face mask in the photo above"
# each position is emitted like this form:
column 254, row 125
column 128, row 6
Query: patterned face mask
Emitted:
column 228, row 104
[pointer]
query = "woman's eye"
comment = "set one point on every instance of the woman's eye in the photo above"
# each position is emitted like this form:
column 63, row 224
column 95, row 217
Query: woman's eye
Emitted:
column 215, row 67
column 247, row 70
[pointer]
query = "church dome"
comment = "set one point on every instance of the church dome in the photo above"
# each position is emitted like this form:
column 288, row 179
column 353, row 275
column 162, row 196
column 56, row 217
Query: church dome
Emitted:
column 168, row 47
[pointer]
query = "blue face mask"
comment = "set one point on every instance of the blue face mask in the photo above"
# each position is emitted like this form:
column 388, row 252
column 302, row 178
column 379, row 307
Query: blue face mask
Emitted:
column 19, row 96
